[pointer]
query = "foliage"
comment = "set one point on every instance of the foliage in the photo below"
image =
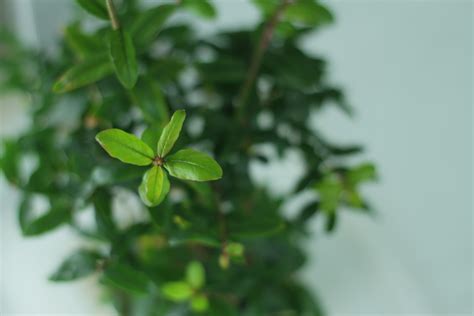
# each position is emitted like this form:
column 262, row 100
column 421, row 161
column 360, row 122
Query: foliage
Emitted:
column 211, row 248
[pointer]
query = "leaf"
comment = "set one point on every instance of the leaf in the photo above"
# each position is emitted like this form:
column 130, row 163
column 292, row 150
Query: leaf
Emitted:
column 308, row 12
column 199, row 303
column 195, row 275
column 188, row 164
column 177, row 291
column 148, row 96
column 154, row 187
column 170, row 133
column 58, row 214
column 125, row 147
column 148, row 24
column 82, row 44
column 235, row 249
column 202, row 8
column 87, row 72
column 9, row 161
column 330, row 190
column 125, row 277
column 97, row 8
column 103, row 213
column 362, row 173
column 255, row 227
column 78, row 265
column 122, row 56
column 152, row 134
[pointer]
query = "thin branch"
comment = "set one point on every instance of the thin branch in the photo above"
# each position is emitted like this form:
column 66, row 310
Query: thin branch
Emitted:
column 113, row 14
column 258, row 55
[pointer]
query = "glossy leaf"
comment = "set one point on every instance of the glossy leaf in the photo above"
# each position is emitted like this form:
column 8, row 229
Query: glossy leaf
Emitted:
column 177, row 291
column 123, row 58
column 87, row 72
column 195, row 275
column 125, row 277
column 189, row 164
column 97, row 8
column 154, row 187
column 171, row 133
column 78, row 265
column 125, row 147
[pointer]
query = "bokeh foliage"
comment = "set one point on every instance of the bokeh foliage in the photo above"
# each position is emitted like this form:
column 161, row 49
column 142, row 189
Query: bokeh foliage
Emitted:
column 210, row 248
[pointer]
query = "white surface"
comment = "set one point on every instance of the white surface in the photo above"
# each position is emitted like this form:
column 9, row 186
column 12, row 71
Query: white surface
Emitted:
column 407, row 67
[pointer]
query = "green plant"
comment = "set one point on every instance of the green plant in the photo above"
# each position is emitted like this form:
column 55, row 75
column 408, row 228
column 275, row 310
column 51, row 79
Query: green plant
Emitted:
column 212, row 248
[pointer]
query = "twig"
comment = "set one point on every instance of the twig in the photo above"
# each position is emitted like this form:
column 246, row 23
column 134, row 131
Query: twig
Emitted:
column 113, row 15
column 258, row 55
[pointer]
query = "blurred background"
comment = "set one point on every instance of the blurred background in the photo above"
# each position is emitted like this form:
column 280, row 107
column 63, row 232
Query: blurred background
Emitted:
column 407, row 67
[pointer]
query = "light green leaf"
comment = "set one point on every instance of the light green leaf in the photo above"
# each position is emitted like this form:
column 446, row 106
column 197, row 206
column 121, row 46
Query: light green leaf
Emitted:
column 87, row 72
column 195, row 275
column 126, row 278
column 78, row 265
column 125, row 147
column 202, row 8
column 171, row 133
column 147, row 26
column 154, row 187
column 177, row 291
column 362, row 173
column 122, row 56
column 97, row 8
column 188, row 164
column 235, row 249
column 199, row 303
column 330, row 190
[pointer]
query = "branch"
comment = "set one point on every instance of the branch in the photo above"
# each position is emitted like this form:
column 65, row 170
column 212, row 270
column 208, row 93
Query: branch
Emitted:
column 113, row 14
column 258, row 55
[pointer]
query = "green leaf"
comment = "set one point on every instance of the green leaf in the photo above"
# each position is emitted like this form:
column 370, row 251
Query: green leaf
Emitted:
column 235, row 249
column 330, row 190
column 195, row 275
column 82, row 44
column 308, row 12
column 148, row 96
column 255, row 227
column 125, row 277
column 78, row 265
column 87, row 72
column 202, row 8
column 177, row 291
column 9, row 161
column 171, row 133
column 188, row 164
column 362, row 173
column 125, row 147
column 102, row 201
column 152, row 134
column 97, row 8
column 58, row 214
column 122, row 56
column 154, row 187
column 148, row 24
column 199, row 303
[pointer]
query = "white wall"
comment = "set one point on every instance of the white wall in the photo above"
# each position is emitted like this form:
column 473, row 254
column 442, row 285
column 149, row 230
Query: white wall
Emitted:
column 407, row 67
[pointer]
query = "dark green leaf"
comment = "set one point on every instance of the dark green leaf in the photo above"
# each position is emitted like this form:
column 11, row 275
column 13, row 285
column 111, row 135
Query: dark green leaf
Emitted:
column 154, row 187
column 127, row 278
column 95, row 7
column 151, row 135
column 83, row 44
column 308, row 12
column 122, row 56
column 78, row 265
column 171, row 133
column 102, row 201
column 188, row 164
column 87, row 72
column 125, row 147
column 31, row 225
column 148, row 96
column 147, row 26
column 9, row 161
column 202, row 8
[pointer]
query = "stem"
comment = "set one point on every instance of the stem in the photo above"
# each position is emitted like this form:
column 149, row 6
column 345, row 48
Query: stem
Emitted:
column 256, row 61
column 113, row 15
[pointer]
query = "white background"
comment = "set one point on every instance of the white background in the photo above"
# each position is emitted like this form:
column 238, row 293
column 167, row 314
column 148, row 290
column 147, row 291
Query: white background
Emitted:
column 407, row 68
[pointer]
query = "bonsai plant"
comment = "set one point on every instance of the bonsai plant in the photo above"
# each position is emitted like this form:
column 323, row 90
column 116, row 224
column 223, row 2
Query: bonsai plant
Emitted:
column 134, row 103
